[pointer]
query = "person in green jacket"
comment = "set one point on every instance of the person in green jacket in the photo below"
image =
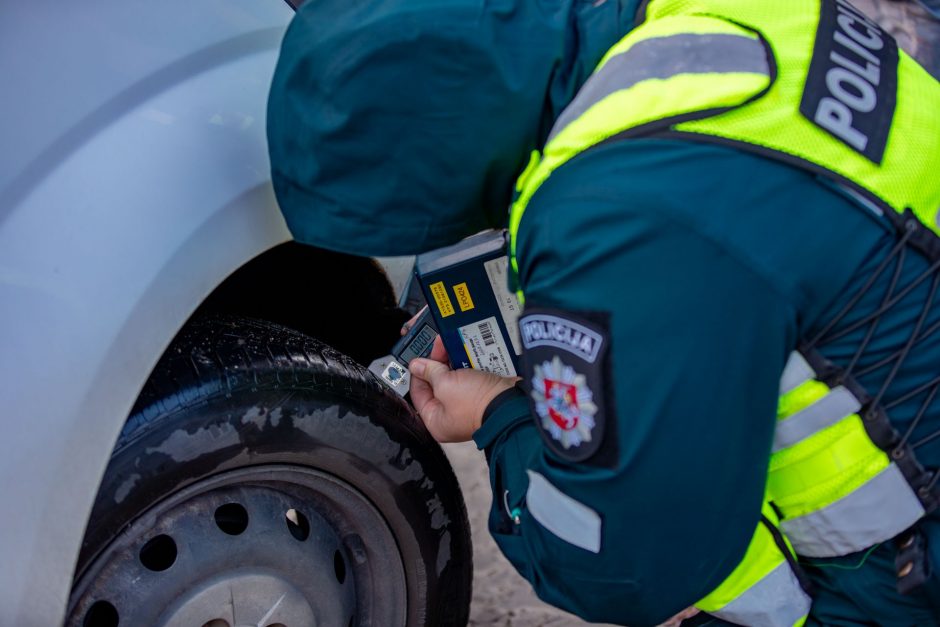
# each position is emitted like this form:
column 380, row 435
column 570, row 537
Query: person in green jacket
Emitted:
column 699, row 276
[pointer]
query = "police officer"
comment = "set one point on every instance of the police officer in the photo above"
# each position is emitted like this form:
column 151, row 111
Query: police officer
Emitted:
column 726, row 241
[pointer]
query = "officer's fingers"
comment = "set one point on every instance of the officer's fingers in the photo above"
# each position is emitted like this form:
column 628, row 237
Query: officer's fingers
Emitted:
column 431, row 371
column 438, row 352
column 431, row 410
column 407, row 326
column 676, row 620
column 433, row 416
column 421, row 393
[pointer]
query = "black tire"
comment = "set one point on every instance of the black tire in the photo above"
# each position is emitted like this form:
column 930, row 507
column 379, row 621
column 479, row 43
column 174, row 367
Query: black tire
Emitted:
column 232, row 409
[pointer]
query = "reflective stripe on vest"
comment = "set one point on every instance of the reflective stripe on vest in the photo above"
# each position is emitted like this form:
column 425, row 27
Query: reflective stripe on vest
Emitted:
column 829, row 409
column 607, row 95
column 838, row 493
column 762, row 590
column 709, row 53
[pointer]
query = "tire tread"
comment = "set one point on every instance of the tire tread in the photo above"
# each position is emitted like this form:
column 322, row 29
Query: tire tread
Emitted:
column 231, row 354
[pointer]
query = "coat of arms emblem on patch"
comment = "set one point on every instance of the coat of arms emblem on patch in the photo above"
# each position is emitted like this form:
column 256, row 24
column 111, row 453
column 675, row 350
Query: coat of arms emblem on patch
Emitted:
column 564, row 402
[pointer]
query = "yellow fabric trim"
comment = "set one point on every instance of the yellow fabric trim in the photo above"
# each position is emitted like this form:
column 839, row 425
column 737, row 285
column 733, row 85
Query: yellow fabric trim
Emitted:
column 515, row 213
column 800, row 397
column 823, row 468
column 533, row 164
column 762, row 556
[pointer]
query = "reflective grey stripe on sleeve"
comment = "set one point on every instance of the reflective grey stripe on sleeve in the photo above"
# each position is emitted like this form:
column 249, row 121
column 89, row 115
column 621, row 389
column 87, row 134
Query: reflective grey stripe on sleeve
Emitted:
column 665, row 57
column 875, row 512
column 568, row 519
column 777, row 600
column 825, row 412
column 796, row 372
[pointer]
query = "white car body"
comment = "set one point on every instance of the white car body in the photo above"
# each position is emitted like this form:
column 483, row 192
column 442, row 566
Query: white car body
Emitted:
column 134, row 179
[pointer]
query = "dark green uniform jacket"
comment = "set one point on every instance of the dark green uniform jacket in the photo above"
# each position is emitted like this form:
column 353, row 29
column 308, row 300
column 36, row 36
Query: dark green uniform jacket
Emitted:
column 704, row 264
column 399, row 126
column 711, row 265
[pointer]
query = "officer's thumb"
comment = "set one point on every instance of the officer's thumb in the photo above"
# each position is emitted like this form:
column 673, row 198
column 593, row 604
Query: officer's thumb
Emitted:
column 428, row 369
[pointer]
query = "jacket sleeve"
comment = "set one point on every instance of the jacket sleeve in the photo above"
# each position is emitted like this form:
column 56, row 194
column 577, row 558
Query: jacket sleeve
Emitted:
column 663, row 510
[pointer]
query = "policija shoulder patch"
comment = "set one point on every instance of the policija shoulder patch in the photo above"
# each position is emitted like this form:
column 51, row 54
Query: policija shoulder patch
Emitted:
column 851, row 88
column 565, row 361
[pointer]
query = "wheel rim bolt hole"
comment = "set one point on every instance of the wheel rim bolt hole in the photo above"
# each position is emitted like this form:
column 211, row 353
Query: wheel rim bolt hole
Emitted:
column 339, row 566
column 101, row 614
column 159, row 553
column 231, row 518
column 297, row 524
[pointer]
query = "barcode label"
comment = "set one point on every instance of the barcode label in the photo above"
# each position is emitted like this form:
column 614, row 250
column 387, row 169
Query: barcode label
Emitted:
column 486, row 333
column 486, row 348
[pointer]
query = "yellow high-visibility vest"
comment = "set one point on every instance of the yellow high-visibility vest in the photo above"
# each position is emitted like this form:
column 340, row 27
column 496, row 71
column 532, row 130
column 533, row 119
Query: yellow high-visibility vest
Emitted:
column 816, row 84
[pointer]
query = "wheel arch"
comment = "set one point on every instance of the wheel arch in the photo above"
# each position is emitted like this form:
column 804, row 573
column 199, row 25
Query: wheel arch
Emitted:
column 343, row 300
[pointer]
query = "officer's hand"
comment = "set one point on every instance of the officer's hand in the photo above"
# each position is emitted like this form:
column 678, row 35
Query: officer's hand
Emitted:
column 451, row 402
column 438, row 352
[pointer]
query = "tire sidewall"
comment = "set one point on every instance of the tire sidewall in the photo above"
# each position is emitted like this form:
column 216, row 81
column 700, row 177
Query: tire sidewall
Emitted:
column 344, row 427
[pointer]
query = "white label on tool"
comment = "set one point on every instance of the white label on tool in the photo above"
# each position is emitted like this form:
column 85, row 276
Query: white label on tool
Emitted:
column 486, row 348
column 508, row 303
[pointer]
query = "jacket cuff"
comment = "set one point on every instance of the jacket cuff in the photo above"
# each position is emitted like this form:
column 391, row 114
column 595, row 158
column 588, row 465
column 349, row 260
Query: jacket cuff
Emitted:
column 509, row 408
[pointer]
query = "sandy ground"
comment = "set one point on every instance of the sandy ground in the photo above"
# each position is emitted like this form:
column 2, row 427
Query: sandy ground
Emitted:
column 500, row 596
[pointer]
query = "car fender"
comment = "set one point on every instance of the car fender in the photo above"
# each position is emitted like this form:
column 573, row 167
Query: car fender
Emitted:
column 126, row 197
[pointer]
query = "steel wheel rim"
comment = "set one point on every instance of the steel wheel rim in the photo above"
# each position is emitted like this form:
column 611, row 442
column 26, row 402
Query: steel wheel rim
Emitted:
column 312, row 550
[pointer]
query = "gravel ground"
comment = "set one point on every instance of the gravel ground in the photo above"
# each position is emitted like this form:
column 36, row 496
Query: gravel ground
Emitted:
column 500, row 596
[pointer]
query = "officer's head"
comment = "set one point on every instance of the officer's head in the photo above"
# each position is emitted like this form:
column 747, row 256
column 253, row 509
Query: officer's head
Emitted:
column 397, row 126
